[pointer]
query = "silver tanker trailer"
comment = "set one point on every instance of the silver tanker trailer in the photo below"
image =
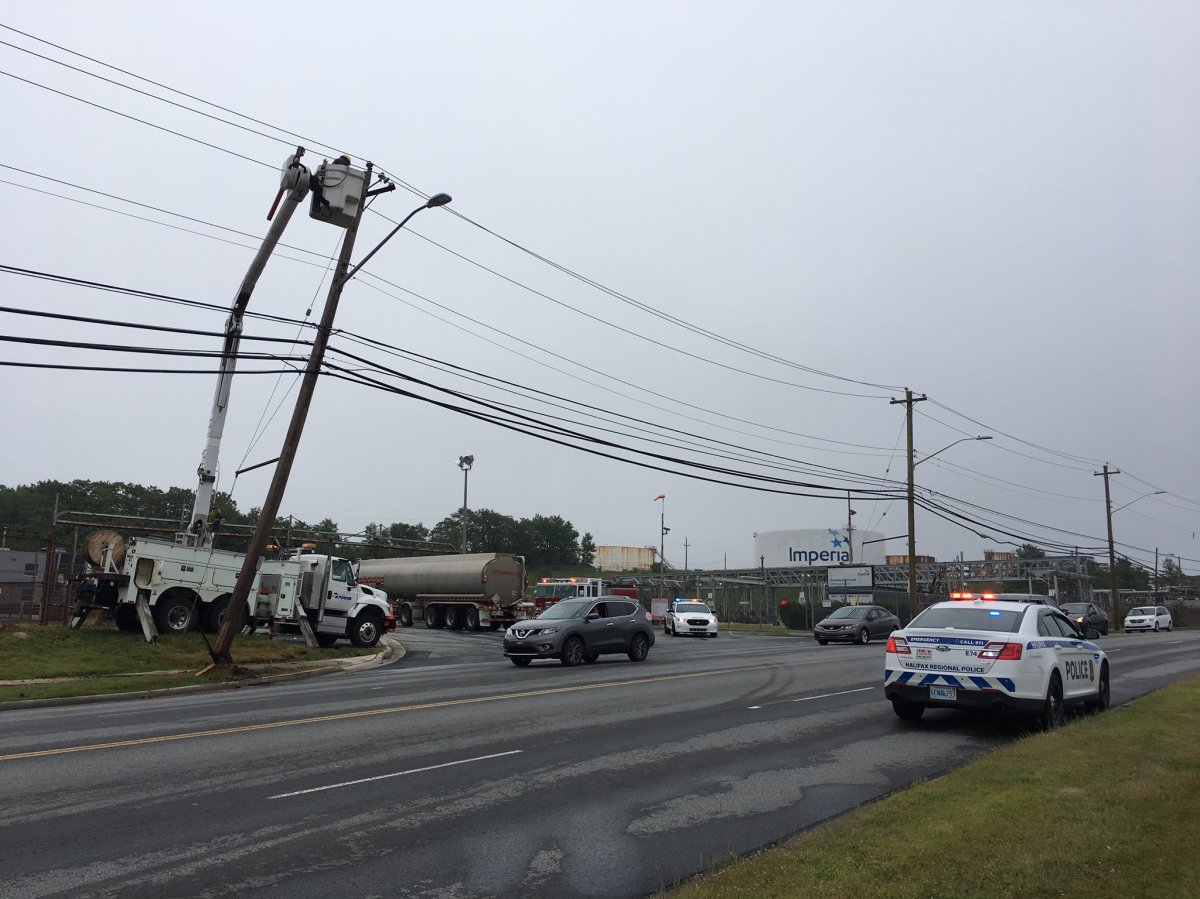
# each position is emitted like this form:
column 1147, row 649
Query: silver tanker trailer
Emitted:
column 471, row 591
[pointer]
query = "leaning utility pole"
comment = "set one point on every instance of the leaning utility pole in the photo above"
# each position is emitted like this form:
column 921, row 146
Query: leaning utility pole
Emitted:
column 908, row 401
column 266, row 519
column 1112, row 554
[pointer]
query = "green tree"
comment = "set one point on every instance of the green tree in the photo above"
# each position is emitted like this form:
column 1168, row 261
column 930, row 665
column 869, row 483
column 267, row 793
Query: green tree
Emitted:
column 1029, row 551
column 587, row 551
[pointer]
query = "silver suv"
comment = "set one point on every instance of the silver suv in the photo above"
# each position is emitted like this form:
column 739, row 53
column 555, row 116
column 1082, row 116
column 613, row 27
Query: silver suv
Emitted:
column 581, row 630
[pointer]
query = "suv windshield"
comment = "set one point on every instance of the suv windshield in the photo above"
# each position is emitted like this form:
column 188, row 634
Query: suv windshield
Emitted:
column 568, row 608
column 849, row 612
column 691, row 608
column 970, row 618
column 1074, row 608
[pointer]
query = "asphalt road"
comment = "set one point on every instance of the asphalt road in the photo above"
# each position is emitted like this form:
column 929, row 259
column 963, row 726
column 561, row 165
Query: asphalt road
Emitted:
column 455, row 774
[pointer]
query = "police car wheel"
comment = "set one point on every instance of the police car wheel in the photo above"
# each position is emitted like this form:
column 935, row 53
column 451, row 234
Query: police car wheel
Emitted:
column 1051, row 715
column 907, row 711
column 1101, row 702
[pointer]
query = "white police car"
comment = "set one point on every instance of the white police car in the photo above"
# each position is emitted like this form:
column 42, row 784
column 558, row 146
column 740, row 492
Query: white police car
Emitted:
column 690, row 616
column 1000, row 655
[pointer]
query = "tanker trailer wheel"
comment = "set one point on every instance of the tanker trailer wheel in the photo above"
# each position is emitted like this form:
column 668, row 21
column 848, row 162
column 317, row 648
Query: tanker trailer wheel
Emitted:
column 433, row 617
column 472, row 619
column 127, row 618
column 406, row 615
column 454, row 618
column 175, row 611
column 366, row 629
column 326, row 640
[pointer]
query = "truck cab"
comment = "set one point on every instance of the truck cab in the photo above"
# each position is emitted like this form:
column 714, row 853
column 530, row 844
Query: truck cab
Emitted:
column 325, row 591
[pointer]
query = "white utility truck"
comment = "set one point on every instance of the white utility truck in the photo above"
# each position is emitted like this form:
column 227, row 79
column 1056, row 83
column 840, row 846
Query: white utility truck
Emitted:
column 175, row 586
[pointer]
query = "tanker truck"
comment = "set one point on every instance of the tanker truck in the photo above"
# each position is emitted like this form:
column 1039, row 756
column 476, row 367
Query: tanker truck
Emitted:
column 471, row 591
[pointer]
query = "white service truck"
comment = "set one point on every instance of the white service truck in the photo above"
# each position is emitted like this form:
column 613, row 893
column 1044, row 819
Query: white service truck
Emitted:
column 175, row 586
column 185, row 587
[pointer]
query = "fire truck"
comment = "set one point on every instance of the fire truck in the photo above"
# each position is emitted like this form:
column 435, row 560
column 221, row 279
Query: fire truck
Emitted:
column 549, row 590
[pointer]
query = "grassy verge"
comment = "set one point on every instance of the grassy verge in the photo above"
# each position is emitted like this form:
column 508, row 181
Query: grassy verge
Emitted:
column 1103, row 807
column 105, row 660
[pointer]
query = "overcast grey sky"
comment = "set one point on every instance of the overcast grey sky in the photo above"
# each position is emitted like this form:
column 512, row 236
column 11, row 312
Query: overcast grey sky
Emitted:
column 994, row 204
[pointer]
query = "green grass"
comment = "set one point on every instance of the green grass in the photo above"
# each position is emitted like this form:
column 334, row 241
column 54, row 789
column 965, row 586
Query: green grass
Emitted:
column 1106, row 806
column 101, row 659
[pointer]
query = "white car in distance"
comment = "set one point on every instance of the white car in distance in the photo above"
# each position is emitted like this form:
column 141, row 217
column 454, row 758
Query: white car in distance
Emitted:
column 1149, row 618
column 690, row 617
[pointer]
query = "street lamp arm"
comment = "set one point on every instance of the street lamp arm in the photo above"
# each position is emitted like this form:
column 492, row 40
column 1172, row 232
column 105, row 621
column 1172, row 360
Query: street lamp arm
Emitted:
column 944, row 448
column 435, row 200
column 1143, row 496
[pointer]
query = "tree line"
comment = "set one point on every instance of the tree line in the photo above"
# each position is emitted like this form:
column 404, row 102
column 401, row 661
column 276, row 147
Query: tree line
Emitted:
column 26, row 512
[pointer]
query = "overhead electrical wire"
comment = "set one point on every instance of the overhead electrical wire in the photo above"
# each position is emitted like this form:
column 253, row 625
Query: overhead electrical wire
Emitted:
column 773, row 460
column 565, row 270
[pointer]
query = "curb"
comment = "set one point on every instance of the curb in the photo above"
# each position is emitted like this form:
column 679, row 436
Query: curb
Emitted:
column 393, row 651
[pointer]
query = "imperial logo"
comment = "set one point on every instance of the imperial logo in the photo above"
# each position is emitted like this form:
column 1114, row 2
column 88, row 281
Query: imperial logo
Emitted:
column 839, row 554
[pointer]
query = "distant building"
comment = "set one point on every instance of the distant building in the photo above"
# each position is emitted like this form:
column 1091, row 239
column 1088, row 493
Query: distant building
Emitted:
column 626, row 558
column 903, row 560
column 994, row 555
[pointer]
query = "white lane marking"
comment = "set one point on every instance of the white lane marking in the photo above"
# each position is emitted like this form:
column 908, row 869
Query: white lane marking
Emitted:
column 364, row 780
column 827, row 695
column 754, row 706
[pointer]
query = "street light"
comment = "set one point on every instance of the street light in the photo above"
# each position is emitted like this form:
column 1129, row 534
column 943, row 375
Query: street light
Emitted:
column 944, row 448
column 465, row 463
column 1132, row 501
column 662, row 544
column 1112, row 552
column 912, row 508
column 291, row 442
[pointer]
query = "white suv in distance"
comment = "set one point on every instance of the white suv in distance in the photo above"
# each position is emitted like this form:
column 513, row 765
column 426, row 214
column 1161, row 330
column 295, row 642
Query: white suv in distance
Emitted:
column 692, row 617
column 1149, row 618
column 998, row 656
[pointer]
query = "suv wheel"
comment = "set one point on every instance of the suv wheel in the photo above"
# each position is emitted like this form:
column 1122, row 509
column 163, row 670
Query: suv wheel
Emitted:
column 572, row 652
column 639, row 646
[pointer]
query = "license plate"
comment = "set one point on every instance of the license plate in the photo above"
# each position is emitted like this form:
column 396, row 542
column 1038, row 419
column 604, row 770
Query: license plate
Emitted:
column 950, row 693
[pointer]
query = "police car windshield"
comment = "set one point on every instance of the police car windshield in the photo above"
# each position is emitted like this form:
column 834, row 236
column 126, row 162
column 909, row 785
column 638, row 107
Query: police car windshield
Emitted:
column 690, row 608
column 568, row 608
column 970, row 618
column 849, row 612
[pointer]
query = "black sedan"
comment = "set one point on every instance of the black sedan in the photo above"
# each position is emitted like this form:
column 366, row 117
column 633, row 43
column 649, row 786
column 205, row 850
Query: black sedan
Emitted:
column 856, row 624
column 1088, row 617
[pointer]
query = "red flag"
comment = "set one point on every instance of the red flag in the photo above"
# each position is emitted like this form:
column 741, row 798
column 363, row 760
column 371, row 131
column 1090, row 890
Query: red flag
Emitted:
column 660, row 496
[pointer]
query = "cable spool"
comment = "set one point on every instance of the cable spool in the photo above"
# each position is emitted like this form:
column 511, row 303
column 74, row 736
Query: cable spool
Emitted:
column 97, row 542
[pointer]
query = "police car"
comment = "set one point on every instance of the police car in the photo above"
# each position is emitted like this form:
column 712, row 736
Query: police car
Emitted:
column 994, row 654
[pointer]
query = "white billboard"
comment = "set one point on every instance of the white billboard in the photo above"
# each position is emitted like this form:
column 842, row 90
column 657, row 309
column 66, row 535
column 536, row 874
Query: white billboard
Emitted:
column 818, row 548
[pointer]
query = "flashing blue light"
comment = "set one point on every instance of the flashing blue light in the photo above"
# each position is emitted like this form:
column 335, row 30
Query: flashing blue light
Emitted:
column 994, row 613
